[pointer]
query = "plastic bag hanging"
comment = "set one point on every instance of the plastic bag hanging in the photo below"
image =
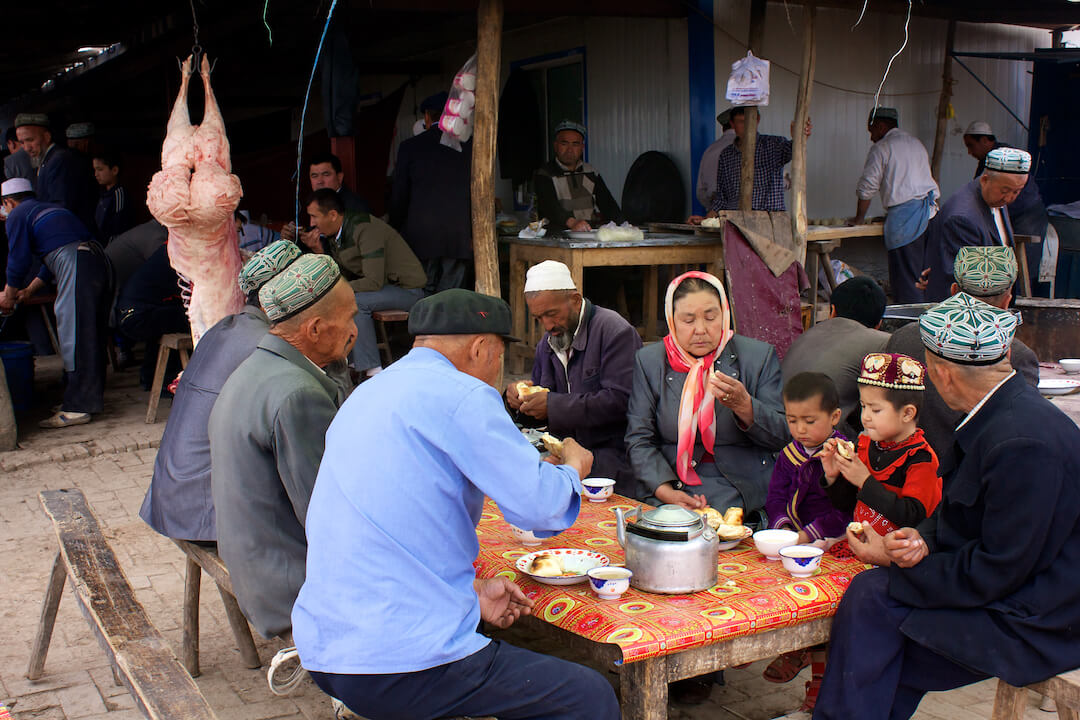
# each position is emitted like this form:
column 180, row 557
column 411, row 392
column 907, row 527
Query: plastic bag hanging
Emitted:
column 457, row 116
column 748, row 83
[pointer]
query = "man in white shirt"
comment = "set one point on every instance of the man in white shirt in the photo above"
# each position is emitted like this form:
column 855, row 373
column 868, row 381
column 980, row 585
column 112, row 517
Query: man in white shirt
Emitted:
column 710, row 160
column 898, row 168
column 974, row 215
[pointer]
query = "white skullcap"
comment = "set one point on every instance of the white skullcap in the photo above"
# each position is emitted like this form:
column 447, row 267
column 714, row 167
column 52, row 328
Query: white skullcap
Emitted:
column 979, row 127
column 549, row 275
column 14, row 186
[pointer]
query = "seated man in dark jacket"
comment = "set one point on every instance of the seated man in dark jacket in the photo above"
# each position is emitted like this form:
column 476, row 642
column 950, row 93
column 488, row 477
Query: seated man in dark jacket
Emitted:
column 586, row 361
column 984, row 587
column 570, row 193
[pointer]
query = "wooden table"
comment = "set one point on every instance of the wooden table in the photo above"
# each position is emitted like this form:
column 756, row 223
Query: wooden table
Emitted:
column 655, row 250
column 821, row 240
column 755, row 611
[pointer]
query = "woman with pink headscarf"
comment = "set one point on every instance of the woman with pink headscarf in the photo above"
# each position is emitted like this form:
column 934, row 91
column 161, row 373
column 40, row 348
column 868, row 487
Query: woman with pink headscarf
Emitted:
column 706, row 416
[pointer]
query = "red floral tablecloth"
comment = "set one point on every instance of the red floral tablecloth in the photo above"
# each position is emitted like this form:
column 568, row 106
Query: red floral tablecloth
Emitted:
column 751, row 594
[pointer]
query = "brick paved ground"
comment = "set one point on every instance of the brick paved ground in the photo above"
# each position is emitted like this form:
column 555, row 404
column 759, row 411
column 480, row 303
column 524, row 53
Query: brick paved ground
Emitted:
column 111, row 461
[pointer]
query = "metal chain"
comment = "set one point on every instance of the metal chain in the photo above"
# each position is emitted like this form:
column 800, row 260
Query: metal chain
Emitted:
column 194, row 28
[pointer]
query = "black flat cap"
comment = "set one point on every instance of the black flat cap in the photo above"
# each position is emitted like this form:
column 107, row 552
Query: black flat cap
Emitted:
column 461, row 312
column 434, row 104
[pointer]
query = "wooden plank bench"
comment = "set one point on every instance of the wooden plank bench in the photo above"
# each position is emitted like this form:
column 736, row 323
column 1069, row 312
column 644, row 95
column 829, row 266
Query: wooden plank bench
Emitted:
column 140, row 656
column 200, row 559
column 1010, row 701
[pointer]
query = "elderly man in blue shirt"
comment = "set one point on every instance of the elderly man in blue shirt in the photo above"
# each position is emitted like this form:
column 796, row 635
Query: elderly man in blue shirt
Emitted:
column 387, row 618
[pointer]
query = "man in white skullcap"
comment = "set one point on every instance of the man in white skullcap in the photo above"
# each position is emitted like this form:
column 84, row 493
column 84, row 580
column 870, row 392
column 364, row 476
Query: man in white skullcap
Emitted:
column 585, row 360
column 974, row 215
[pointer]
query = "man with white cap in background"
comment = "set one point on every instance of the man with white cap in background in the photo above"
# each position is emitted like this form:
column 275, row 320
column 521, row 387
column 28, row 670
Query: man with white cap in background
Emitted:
column 974, row 215
column 570, row 193
column 898, row 168
column 1027, row 213
column 69, row 254
column 586, row 362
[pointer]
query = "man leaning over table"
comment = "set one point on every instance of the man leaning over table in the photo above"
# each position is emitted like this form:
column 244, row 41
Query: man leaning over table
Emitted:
column 387, row 619
column 986, row 586
column 586, row 360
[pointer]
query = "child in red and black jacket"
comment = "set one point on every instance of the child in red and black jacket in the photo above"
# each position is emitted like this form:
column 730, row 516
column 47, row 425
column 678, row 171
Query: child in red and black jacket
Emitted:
column 892, row 480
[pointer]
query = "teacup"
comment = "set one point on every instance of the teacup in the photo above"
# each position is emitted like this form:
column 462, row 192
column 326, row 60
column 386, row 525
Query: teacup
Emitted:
column 609, row 582
column 598, row 489
column 1071, row 366
column 801, row 560
column 769, row 542
column 525, row 537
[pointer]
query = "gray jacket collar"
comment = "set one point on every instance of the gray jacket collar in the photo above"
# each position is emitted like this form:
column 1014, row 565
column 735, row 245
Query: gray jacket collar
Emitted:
column 273, row 344
column 727, row 362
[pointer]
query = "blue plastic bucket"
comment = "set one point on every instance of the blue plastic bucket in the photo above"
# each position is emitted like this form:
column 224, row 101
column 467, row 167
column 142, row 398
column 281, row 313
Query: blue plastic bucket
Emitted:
column 18, row 358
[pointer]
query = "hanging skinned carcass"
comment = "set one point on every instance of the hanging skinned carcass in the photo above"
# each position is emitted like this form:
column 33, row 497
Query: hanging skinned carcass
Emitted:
column 194, row 195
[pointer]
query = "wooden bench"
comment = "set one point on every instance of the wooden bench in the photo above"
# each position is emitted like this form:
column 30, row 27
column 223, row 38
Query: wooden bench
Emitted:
column 180, row 342
column 140, row 656
column 205, row 559
column 381, row 317
column 1011, row 701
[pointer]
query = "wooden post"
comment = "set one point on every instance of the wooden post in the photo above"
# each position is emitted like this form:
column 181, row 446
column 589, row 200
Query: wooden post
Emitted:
column 485, row 123
column 943, row 104
column 798, row 137
column 749, row 139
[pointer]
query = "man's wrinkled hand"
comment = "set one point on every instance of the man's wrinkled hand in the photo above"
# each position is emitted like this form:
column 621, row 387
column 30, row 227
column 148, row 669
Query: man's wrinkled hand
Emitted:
column 577, row 457
column 501, row 601
column 869, row 547
column 312, row 239
column 535, row 405
column 906, row 547
column 924, row 279
column 513, row 399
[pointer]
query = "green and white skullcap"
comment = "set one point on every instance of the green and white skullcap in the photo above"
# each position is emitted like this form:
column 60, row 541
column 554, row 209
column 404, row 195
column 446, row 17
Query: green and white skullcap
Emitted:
column 1009, row 160
column 265, row 264
column 968, row 331
column 985, row 271
column 299, row 286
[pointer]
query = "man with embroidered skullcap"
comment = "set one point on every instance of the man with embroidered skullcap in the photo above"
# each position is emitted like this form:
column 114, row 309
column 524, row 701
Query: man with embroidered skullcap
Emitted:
column 63, row 177
column 178, row 502
column 898, row 168
column 585, row 365
column 986, row 273
column 974, row 215
column 267, row 431
column 570, row 193
column 984, row 587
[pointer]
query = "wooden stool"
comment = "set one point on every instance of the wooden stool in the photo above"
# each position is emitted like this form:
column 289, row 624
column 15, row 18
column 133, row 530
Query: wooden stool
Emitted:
column 381, row 317
column 180, row 342
column 201, row 558
column 1010, row 702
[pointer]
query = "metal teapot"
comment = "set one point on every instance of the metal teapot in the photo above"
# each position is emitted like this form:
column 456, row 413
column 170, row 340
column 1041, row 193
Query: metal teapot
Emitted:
column 669, row 549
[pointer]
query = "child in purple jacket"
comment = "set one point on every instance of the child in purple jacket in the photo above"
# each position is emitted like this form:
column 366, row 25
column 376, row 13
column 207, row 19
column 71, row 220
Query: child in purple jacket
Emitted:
column 797, row 499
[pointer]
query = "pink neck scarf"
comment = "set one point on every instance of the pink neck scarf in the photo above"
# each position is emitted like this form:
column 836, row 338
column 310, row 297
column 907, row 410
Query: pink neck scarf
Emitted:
column 697, row 411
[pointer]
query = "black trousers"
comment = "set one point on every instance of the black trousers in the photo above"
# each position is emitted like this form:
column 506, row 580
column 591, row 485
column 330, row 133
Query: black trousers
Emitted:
column 905, row 267
column 874, row 671
column 85, row 390
column 501, row 680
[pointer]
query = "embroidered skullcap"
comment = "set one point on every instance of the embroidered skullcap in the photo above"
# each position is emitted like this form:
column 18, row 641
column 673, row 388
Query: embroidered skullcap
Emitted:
column 883, row 113
column 40, row 119
column 14, row 186
column 892, row 370
column 299, row 286
column 570, row 125
column 266, row 263
column 1009, row 160
column 79, row 130
column 968, row 331
column 979, row 127
column 549, row 275
column 985, row 271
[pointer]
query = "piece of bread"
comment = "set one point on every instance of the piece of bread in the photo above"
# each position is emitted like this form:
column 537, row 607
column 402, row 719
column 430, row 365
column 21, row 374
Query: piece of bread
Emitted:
column 856, row 527
column 524, row 389
column 733, row 516
column 553, row 444
column 845, row 448
column 730, row 532
column 712, row 516
column 546, row 565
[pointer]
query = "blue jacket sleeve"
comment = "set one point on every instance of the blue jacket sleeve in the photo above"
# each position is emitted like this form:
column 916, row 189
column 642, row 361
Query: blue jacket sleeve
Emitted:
column 19, row 249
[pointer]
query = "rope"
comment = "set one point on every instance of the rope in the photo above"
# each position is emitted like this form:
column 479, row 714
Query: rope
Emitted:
column 293, row 680
column 303, row 113
column 861, row 14
column 269, row 33
column 797, row 73
column 896, row 55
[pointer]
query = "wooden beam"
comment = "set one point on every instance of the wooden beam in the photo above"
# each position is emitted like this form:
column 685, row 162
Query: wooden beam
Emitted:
column 485, row 125
column 345, row 149
column 943, row 104
column 798, row 137
column 749, row 138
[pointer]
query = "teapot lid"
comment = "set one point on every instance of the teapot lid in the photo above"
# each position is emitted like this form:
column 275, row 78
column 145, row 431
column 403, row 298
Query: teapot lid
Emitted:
column 672, row 516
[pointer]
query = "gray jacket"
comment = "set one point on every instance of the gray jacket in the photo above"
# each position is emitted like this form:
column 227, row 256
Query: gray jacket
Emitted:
column 744, row 456
column 267, row 433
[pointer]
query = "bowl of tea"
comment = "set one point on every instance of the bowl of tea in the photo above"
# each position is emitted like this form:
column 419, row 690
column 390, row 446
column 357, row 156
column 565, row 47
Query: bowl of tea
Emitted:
column 610, row 582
